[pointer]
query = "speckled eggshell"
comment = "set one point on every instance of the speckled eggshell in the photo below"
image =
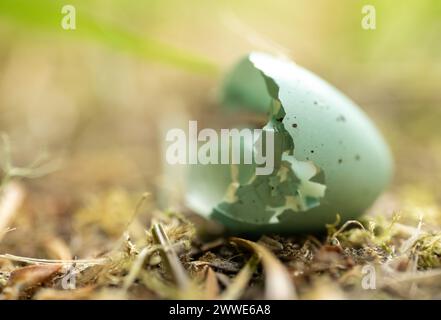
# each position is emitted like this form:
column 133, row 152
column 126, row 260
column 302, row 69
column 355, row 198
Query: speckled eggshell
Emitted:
column 327, row 129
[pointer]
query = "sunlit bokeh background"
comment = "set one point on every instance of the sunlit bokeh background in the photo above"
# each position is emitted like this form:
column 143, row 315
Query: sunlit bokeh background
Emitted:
column 99, row 96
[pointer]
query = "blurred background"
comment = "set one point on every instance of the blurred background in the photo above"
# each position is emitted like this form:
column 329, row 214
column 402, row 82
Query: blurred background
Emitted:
column 99, row 96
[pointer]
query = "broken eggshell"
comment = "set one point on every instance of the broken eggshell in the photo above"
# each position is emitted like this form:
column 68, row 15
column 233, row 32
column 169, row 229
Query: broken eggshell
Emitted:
column 329, row 156
column 244, row 89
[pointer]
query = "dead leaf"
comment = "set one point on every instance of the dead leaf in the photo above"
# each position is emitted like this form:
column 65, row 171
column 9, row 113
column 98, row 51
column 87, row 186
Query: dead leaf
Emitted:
column 28, row 277
column 33, row 275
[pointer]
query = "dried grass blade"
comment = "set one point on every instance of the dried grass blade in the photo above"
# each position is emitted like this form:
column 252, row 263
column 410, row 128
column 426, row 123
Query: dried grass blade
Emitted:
column 237, row 287
column 278, row 282
column 211, row 285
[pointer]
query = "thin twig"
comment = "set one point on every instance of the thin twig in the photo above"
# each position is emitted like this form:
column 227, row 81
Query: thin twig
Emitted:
column 12, row 257
column 170, row 257
column 137, row 266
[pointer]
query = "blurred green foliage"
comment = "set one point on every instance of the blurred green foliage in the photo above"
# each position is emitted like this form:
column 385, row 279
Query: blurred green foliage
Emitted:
column 46, row 15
